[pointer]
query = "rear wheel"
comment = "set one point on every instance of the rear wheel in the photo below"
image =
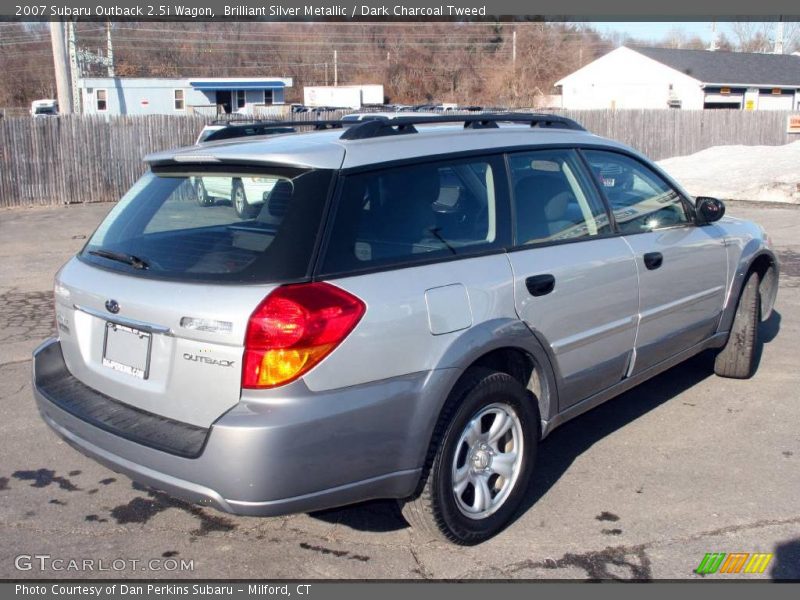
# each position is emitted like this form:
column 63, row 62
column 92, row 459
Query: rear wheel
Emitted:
column 737, row 359
column 480, row 461
column 240, row 205
column 203, row 199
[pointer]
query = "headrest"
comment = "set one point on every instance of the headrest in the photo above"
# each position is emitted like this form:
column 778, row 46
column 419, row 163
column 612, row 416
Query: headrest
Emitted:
column 556, row 207
column 419, row 185
column 277, row 202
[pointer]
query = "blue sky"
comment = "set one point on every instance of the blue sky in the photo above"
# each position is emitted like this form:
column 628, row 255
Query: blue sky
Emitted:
column 657, row 30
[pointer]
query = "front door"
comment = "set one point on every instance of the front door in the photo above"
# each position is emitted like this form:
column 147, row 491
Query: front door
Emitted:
column 682, row 266
column 575, row 282
column 225, row 101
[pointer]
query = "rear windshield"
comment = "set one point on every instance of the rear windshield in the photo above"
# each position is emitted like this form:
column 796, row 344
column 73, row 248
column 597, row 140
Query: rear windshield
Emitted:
column 221, row 226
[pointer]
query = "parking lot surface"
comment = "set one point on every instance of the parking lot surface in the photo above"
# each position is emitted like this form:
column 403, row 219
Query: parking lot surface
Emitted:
column 641, row 487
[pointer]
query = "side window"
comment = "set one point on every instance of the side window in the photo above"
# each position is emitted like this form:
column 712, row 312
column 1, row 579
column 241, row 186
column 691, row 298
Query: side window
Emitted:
column 640, row 198
column 554, row 199
column 179, row 100
column 418, row 212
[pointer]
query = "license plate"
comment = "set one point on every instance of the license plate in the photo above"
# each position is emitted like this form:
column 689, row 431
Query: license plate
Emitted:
column 127, row 350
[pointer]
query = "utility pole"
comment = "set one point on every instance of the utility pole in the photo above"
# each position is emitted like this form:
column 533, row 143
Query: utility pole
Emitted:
column 779, row 37
column 61, row 67
column 712, row 46
column 73, row 67
column 109, row 50
column 335, row 68
column 514, row 49
column 326, row 74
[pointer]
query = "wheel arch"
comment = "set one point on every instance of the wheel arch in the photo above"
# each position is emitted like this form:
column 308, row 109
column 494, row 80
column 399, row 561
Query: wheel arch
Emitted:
column 762, row 261
column 505, row 345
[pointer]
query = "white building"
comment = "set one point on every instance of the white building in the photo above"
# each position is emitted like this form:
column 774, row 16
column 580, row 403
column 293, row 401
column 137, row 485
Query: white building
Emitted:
column 688, row 79
column 176, row 96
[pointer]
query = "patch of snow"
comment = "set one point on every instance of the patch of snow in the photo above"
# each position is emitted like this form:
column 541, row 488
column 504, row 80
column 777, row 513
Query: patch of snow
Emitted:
column 766, row 173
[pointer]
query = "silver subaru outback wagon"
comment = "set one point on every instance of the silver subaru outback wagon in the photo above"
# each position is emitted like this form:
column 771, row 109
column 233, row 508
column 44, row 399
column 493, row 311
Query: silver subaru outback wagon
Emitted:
column 404, row 312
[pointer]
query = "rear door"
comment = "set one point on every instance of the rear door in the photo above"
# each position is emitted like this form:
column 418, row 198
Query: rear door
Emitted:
column 682, row 266
column 575, row 282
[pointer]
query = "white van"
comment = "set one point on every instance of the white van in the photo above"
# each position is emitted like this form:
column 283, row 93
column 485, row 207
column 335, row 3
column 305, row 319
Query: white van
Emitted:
column 44, row 108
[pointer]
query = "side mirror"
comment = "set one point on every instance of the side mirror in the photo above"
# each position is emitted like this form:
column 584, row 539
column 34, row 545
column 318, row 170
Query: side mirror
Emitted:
column 709, row 209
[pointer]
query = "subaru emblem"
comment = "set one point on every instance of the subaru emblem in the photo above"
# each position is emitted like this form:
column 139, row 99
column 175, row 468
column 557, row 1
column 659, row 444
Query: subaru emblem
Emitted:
column 112, row 306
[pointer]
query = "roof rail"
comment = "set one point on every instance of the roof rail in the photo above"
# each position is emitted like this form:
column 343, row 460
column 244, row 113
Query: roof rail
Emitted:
column 265, row 127
column 383, row 126
column 373, row 126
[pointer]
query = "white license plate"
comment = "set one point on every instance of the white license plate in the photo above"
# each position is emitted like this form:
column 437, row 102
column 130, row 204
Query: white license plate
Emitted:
column 127, row 350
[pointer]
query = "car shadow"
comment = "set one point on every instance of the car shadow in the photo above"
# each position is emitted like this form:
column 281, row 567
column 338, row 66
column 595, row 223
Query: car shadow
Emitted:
column 786, row 564
column 560, row 449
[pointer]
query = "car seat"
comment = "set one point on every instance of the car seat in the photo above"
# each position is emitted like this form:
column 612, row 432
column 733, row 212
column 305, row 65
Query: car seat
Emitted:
column 542, row 201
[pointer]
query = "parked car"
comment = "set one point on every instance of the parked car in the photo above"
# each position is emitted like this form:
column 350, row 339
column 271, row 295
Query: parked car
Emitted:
column 246, row 194
column 44, row 108
column 416, row 307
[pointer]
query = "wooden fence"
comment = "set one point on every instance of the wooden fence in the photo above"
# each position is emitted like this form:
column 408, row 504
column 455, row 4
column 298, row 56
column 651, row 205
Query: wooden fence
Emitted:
column 76, row 159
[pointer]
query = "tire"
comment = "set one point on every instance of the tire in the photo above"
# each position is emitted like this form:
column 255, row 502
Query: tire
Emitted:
column 203, row 199
column 239, row 200
column 737, row 359
column 438, row 511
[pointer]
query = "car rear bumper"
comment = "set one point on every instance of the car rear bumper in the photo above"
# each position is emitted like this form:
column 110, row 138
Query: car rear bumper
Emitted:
column 294, row 451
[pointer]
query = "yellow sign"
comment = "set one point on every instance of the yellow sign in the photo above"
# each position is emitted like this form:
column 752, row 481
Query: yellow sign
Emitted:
column 750, row 105
column 793, row 125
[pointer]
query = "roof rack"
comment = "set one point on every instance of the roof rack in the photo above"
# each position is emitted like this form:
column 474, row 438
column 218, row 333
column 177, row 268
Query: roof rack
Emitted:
column 372, row 126
column 236, row 129
column 385, row 126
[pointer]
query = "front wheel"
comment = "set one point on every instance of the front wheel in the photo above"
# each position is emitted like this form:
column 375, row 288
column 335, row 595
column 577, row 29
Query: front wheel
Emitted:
column 737, row 359
column 480, row 462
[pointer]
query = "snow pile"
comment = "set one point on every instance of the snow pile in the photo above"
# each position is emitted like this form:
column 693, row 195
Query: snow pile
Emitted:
column 767, row 173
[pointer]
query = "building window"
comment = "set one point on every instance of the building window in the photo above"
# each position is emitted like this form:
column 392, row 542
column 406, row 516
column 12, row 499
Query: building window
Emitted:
column 268, row 97
column 180, row 102
column 240, row 99
column 101, row 100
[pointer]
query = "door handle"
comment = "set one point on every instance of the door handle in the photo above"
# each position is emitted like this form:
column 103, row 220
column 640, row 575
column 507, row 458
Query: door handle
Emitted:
column 653, row 260
column 540, row 285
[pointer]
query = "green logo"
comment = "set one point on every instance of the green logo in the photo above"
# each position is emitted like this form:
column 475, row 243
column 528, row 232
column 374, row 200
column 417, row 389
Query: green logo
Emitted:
column 735, row 562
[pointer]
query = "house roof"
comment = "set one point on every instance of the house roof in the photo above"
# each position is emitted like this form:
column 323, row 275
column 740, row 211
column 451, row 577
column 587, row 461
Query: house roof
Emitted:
column 743, row 68
column 239, row 84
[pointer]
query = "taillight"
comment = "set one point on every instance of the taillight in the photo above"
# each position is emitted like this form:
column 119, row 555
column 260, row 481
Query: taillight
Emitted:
column 293, row 329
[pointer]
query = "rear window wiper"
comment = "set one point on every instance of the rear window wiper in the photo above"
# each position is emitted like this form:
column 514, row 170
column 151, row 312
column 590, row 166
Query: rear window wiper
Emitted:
column 128, row 259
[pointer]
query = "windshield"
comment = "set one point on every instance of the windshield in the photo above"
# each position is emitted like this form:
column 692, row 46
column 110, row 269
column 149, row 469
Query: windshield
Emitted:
column 215, row 226
column 45, row 110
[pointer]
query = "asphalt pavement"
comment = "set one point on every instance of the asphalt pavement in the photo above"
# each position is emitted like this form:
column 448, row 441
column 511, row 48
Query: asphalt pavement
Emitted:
column 641, row 487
